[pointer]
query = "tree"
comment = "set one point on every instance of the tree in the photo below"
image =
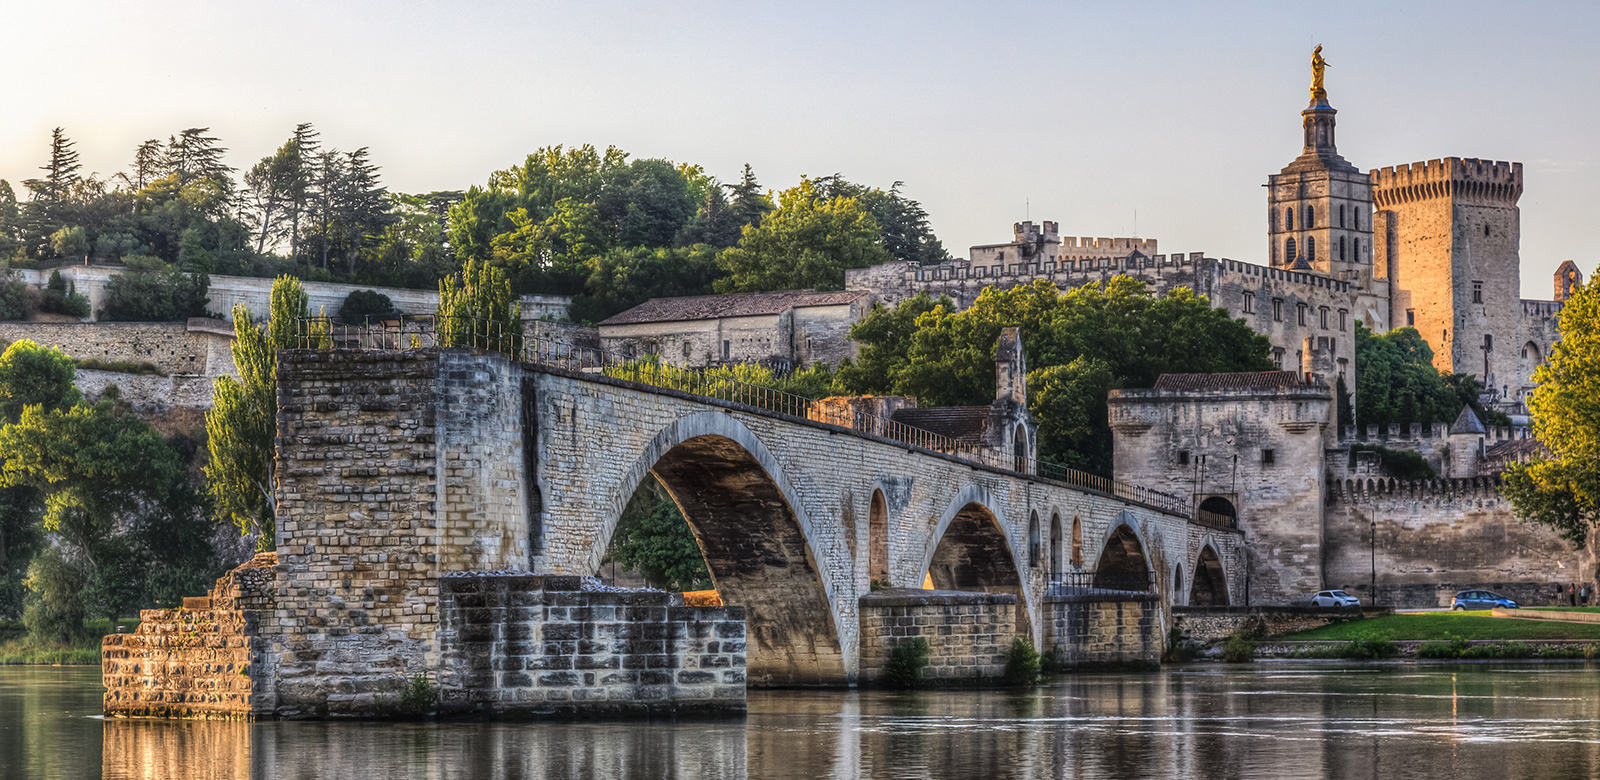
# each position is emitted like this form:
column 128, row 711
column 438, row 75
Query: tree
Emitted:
column 362, row 304
column 622, row 278
column 902, row 221
column 239, row 427
column 10, row 221
column 18, row 299
column 1561, row 489
column 808, row 242
column 1079, row 345
column 154, row 291
column 478, row 310
column 148, row 163
column 1396, row 382
column 34, row 375
column 653, row 538
column 749, row 203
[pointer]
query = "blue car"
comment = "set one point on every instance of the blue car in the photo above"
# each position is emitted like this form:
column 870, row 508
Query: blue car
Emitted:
column 1481, row 599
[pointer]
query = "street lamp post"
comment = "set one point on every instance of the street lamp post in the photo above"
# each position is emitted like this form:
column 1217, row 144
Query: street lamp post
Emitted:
column 1372, row 586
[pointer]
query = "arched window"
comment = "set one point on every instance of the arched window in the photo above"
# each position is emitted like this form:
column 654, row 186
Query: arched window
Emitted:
column 1077, row 543
column 1311, row 217
column 1055, row 549
column 1021, row 450
column 1034, row 554
column 1288, row 218
column 878, row 539
column 1341, row 246
column 1288, row 251
column 1341, row 215
column 1311, row 249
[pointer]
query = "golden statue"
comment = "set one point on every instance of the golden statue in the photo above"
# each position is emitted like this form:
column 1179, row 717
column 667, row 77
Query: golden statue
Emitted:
column 1318, row 65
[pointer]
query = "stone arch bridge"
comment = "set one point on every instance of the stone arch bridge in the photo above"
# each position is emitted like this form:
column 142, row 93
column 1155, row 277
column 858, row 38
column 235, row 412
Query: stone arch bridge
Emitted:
column 399, row 468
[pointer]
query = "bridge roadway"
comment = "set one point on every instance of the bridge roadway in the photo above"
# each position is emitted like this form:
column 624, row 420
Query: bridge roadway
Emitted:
column 534, row 462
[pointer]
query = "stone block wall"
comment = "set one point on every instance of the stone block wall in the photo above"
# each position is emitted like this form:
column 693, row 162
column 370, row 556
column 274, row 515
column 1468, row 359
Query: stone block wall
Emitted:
column 968, row 634
column 1102, row 629
column 170, row 346
column 536, row 645
column 183, row 663
column 482, row 502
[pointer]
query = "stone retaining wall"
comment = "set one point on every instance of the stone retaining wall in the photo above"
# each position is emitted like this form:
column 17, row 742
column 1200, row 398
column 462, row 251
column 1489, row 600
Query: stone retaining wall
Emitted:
column 539, row 645
column 183, row 663
column 1103, row 629
column 1213, row 624
column 968, row 634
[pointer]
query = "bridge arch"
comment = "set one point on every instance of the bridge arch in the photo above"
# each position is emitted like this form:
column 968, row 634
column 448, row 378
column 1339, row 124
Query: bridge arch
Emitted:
column 1210, row 587
column 970, row 549
column 1123, row 563
column 759, row 545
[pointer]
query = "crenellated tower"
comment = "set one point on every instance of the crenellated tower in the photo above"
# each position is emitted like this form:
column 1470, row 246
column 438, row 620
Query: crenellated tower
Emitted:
column 1319, row 211
column 1448, row 233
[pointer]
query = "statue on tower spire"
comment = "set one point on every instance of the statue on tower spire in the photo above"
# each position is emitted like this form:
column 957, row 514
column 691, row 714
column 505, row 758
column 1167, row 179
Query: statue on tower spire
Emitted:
column 1318, row 65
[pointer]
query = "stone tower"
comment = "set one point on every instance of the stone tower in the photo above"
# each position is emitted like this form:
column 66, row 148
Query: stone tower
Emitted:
column 1319, row 213
column 1448, row 232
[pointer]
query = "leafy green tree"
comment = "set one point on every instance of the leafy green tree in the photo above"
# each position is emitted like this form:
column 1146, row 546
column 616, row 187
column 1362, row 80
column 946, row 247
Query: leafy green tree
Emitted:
column 69, row 242
column 18, row 299
column 1561, row 489
column 34, row 375
column 1079, row 345
column 903, row 222
column 647, row 203
column 808, row 242
column 239, row 427
column 154, row 291
column 11, row 222
column 1397, row 383
column 361, row 304
column 56, row 610
column 653, row 538
column 622, row 278
column 479, row 310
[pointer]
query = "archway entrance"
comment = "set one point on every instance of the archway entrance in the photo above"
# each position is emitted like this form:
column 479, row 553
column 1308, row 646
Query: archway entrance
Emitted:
column 1210, row 588
column 1122, row 565
column 758, row 558
column 973, row 555
column 878, row 539
column 1217, row 512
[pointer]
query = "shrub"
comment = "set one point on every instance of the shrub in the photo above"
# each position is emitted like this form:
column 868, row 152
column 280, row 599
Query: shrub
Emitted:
column 907, row 659
column 1372, row 646
column 18, row 299
column 1450, row 647
column 1238, row 649
column 1400, row 464
column 55, row 610
column 1022, row 663
column 61, row 298
column 418, row 694
column 120, row 366
column 361, row 304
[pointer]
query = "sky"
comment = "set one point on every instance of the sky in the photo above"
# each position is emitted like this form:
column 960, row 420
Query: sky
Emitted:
column 1160, row 120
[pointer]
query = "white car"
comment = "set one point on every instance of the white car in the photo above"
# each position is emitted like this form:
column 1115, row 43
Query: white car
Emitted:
column 1334, row 598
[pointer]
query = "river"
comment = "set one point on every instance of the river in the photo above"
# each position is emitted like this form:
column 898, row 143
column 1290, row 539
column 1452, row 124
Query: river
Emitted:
column 1277, row 721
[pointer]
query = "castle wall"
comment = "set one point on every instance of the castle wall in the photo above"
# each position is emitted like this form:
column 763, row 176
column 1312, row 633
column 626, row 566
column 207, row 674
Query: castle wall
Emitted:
column 1436, row 537
column 196, row 347
column 799, row 337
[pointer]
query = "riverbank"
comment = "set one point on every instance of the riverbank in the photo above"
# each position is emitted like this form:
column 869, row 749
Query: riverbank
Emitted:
column 1446, row 626
column 16, row 649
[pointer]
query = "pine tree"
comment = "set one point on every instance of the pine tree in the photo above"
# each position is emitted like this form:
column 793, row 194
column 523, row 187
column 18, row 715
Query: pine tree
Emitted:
column 749, row 204
column 362, row 206
column 148, row 161
column 304, row 148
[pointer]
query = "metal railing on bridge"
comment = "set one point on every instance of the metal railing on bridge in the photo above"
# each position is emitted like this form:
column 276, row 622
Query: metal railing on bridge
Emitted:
column 425, row 331
column 1089, row 582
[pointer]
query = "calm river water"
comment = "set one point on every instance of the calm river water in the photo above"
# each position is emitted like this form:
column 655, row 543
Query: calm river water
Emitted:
column 1268, row 721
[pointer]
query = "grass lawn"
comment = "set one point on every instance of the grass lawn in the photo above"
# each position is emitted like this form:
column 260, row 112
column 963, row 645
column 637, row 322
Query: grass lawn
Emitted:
column 1437, row 625
column 1566, row 609
column 17, row 649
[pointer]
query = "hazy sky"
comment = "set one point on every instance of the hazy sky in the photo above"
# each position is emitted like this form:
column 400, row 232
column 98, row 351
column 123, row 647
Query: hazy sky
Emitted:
column 989, row 112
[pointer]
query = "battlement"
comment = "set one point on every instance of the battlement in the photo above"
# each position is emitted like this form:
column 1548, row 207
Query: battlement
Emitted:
column 1028, row 233
column 1144, row 245
column 1541, row 309
column 1450, row 177
column 1293, row 277
column 1397, row 436
column 1368, row 489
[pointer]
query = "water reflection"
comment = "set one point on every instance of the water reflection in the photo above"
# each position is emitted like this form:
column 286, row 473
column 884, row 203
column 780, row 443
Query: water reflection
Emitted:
column 1287, row 721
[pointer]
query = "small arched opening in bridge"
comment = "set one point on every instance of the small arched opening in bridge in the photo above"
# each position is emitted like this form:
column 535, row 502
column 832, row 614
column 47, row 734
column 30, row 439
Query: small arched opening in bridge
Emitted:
column 755, row 550
column 1122, row 564
column 1035, row 554
column 878, row 539
column 1019, row 447
column 1055, row 549
column 1218, row 512
column 1210, row 588
column 1077, row 543
column 973, row 555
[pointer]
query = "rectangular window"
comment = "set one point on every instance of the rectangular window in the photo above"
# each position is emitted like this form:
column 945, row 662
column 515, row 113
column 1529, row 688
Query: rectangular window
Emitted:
column 727, row 350
column 686, row 348
column 1277, row 309
column 1477, row 292
column 1343, row 316
column 1183, row 457
column 1411, row 317
column 1267, row 457
column 1322, row 315
column 1249, row 303
column 1300, row 313
column 1277, row 357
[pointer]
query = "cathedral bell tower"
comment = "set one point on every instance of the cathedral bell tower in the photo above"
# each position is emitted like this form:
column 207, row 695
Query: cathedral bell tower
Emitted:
column 1319, row 207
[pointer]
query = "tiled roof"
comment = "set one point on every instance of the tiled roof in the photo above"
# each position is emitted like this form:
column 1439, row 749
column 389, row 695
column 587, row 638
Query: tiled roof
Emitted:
column 710, row 307
column 1244, row 379
column 958, row 422
column 1467, row 422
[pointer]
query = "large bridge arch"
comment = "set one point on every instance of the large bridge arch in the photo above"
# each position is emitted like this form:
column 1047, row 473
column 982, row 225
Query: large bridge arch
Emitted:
column 758, row 542
column 1124, row 561
column 970, row 548
column 1210, row 587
